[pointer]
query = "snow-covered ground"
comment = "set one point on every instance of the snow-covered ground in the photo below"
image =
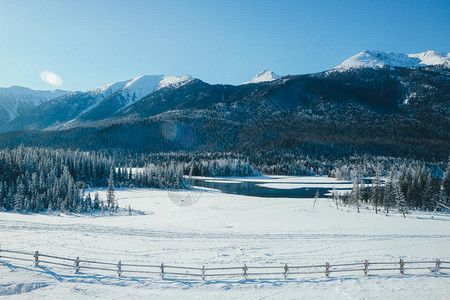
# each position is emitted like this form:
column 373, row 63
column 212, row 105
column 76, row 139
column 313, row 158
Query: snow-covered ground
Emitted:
column 225, row 230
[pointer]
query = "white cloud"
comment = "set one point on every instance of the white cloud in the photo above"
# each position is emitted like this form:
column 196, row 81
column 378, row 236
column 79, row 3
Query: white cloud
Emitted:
column 51, row 78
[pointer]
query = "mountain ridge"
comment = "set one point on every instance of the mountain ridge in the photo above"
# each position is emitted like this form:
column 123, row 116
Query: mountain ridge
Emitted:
column 381, row 110
column 104, row 100
column 326, row 114
column 379, row 59
column 17, row 100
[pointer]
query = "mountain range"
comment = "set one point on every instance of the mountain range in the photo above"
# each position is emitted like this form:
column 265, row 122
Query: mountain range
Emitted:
column 373, row 102
column 377, row 59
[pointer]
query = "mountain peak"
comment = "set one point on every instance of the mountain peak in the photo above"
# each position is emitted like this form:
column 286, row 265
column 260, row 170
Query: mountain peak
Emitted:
column 263, row 76
column 174, row 81
column 139, row 86
column 379, row 59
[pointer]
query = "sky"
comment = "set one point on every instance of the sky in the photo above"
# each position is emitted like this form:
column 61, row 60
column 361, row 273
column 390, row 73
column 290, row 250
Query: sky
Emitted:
column 84, row 44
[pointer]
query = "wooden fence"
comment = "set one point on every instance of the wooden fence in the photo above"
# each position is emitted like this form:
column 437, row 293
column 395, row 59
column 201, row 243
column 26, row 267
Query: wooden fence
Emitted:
column 77, row 264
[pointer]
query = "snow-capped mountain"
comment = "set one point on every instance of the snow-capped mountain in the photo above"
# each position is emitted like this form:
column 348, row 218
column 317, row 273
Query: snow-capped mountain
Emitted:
column 379, row 110
column 135, row 89
column 377, row 59
column 432, row 58
column 17, row 100
column 173, row 81
column 96, row 104
column 141, row 86
column 263, row 76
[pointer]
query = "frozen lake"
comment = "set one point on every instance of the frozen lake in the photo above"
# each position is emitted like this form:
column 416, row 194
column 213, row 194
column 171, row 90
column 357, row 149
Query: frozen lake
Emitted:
column 276, row 186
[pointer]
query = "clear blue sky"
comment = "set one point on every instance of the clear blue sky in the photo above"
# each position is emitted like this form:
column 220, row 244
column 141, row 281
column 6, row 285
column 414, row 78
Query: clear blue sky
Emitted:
column 89, row 43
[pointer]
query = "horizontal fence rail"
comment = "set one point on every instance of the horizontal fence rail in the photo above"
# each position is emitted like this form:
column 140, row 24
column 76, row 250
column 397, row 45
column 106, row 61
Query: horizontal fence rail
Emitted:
column 77, row 264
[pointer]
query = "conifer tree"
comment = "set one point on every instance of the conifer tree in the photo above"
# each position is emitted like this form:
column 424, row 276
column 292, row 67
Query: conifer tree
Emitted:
column 427, row 193
column 2, row 195
column 89, row 205
column 96, row 201
column 19, row 197
column 401, row 204
column 110, row 193
column 376, row 191
column 10, row 198
column 388, row 193
column 355, row 196
column 446, row 183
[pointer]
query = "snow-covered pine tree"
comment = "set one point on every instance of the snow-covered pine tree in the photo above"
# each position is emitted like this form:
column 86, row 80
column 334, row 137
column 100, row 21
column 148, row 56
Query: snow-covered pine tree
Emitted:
column 2, row 195
column 426, row 193
column 400, row 202
column 355, row 195
column 446, row 183
column 110, row 193
column 19, row 197
column 9, row 200
column 376, row 191
column 89, row 204
column 388, row 193
column 96, row 201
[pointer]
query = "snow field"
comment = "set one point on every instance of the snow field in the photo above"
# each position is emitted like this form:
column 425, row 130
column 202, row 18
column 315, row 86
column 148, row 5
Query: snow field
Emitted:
column 225, row 230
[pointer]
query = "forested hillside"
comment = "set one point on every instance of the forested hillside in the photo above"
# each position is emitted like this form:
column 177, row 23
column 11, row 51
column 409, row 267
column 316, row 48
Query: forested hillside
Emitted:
column 401, row 112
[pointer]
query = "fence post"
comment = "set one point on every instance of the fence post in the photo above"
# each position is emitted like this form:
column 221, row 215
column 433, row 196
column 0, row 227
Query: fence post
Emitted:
column 203, row 273
column 119, row 268
column 245, row 271
column 286, row 269
column 162, row 271
column 327, row 269
column 77, row 265
column 402, row 267
column 36, row 258
column 438, row 265
column 366, row 267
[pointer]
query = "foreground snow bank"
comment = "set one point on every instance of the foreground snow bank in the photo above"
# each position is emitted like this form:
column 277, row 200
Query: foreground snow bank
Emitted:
column 46, row 286
column 225, row 230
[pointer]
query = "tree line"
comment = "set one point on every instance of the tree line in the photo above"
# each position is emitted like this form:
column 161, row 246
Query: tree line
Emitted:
column 36, row 179
column 39, row 179
column 404, row 188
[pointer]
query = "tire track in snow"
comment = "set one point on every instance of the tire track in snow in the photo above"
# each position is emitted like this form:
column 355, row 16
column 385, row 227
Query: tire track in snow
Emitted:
column 130, row 231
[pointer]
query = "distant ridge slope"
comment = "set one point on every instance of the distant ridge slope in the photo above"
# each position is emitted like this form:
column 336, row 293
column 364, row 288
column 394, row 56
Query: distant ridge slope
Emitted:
column 16, row 101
